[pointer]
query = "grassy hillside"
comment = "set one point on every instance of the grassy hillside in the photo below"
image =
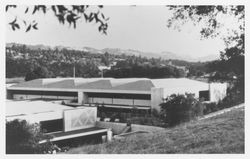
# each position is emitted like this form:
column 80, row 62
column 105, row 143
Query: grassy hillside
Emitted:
column 221, row 134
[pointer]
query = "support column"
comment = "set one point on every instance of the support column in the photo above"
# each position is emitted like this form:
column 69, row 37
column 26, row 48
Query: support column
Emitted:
column 157, row 96
column 9, row 94
column 82, row 97
column 85, row 98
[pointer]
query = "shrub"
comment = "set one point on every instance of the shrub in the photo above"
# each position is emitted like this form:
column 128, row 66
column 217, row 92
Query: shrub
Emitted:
column 233, row 98
column 155, row 113
column 180, row 108
column 210, row 107
column 38, row 72
column 23, row 138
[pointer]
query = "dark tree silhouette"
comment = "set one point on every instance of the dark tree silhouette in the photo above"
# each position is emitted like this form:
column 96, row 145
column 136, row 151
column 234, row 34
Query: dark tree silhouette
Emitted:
column 105, row 59
column 209, row 18
column 39, row 72
column 65, row 14
column 23, row 138
column 180, row 108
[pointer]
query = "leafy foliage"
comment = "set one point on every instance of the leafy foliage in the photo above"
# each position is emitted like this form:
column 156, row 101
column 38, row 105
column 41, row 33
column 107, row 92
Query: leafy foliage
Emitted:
column 180, row 108
column 105, row 59
column 40, row 63
column 23, row 138
column 137, row 66
column 208, row 16
column 64, row 14
column 145, row 71
column 87, row 69
column 210, row 19
column 233, row 98
column 39, row 72
column 22, row 60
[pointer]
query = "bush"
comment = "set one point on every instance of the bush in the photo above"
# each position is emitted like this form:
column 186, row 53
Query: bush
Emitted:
column 180, row 108
column 210, row 107
column 23, row 138
column 38, row 72
column 233, row 98
column 155, row 113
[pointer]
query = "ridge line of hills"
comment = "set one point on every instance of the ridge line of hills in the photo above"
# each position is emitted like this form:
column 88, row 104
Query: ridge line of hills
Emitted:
column 117, row 51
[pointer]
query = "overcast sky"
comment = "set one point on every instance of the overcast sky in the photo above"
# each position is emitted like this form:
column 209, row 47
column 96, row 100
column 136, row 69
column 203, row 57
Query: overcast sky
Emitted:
column 140, row 28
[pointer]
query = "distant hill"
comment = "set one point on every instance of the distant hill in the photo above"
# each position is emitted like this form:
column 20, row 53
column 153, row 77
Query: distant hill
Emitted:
column 118, row 51
column 164, row 55
column 31, row 47
column 208, row 58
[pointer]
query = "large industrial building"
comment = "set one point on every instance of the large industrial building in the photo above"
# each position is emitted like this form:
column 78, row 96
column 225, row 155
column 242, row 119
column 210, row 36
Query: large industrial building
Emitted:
column 60, row 121
column 143, row 93
column 40, row 101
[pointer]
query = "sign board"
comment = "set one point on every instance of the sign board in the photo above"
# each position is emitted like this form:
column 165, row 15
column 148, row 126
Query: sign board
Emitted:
column 79, row 118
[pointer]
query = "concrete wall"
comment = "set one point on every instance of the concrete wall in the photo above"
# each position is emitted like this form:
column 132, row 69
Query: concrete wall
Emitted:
column 182, row 90
column 115, row 127
column 157, row 95
column 85, row 98
column 79, row 118
column 118, row 127
column 82, row 98
column 217, row 91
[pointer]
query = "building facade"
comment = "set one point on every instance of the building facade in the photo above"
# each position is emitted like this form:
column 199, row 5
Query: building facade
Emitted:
column 142, row 93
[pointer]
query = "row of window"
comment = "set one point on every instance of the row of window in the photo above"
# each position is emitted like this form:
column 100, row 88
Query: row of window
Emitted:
column 52, row 93
column 90, row 94
column 202, row 94
column 121, row 96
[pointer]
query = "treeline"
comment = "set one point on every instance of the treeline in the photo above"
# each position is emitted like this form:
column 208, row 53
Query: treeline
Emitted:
column 23, row 67
column 21, row 61
column 145, row 71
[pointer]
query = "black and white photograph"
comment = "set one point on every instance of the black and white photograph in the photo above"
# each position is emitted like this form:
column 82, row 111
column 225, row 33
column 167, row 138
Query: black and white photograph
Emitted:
column 124, row 79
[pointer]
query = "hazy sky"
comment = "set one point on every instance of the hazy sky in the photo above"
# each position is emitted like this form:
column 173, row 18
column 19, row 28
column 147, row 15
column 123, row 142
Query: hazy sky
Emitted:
column 140, row 28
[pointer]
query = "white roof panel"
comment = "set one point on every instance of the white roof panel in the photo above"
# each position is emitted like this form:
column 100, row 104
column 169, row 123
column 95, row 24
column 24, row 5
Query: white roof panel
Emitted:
column 122, row 83
column 178, row 82
column 32, row 107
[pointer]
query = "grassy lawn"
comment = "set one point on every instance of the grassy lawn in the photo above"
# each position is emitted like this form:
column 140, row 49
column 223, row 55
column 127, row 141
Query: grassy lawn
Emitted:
column 220, row 134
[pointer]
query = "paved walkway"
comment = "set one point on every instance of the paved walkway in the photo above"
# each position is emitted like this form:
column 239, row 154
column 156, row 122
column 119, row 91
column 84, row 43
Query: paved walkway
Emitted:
column 222, row 111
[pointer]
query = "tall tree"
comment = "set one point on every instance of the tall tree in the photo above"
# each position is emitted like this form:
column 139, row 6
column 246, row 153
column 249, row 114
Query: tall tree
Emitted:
column 39, row 72
column 211, row 20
